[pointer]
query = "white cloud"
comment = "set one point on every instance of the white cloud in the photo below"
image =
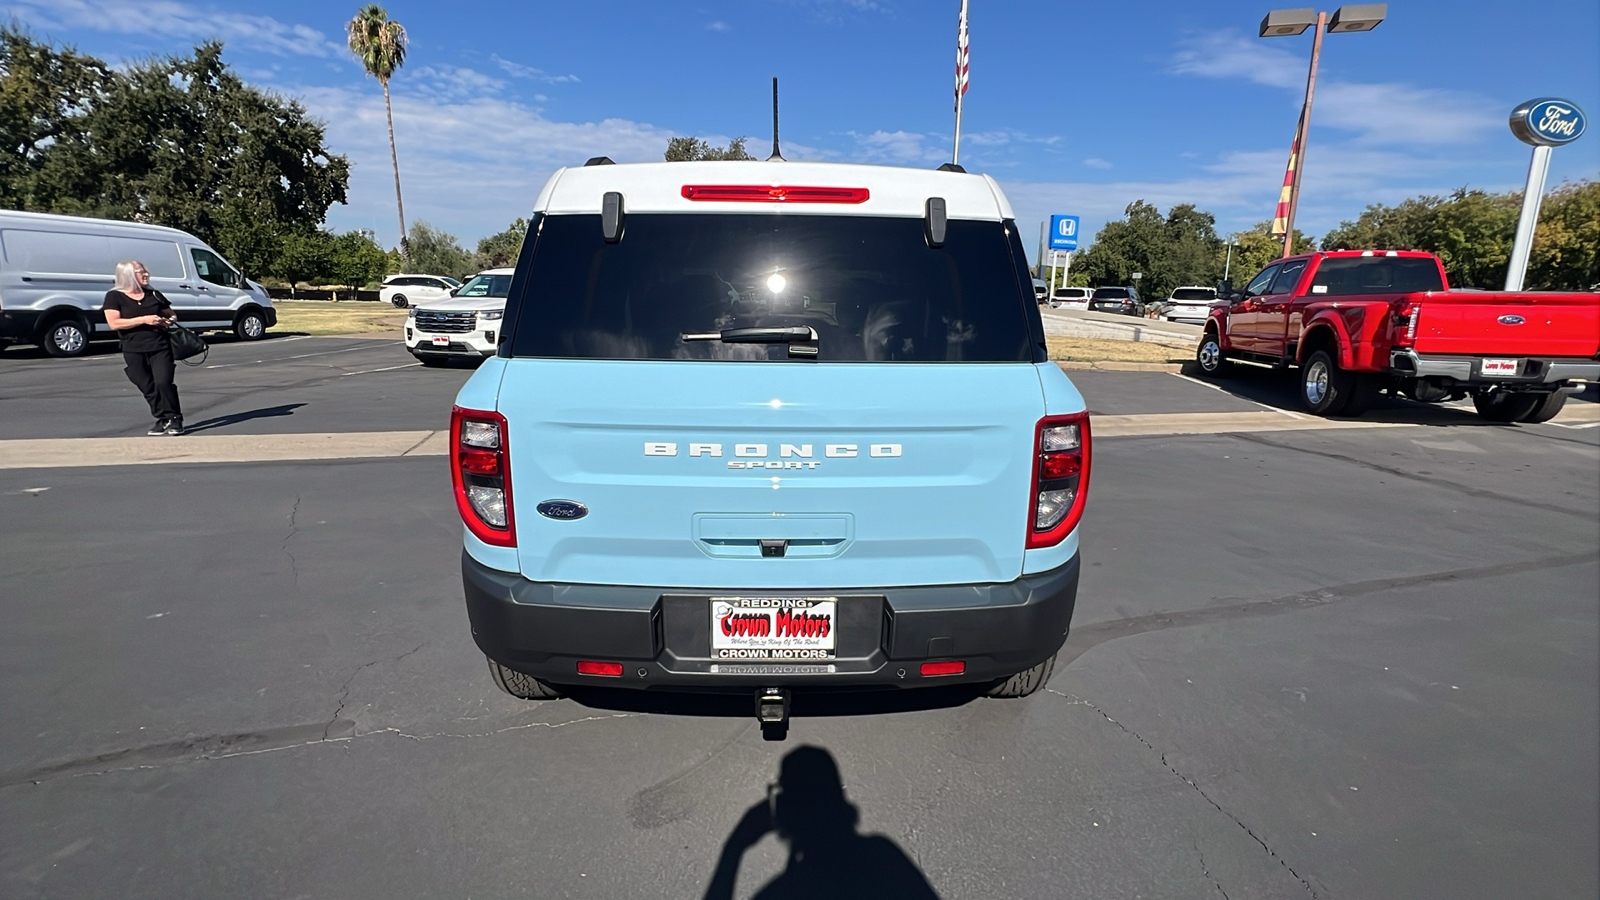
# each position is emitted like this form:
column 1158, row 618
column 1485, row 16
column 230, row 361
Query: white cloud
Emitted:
column 518, row 70
column 719, row 26
column 1381, row 113
column 897, row 147
column 170, row 19
column 1096, row 163
column 447, row 81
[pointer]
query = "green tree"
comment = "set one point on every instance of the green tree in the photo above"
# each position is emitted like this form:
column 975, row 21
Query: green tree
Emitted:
column 355, row 261
column 43, row 94
column 689, row 149
column 434, row 252
column 1471, row 232
column 305, row 257
column 1566, row 245
column 501, row 249
column 1256, row 249
column 1179, row 248
column 181, row 141
column 380, row 43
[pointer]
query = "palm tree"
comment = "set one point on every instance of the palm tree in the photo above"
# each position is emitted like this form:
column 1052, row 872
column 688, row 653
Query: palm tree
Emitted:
column 380, row 43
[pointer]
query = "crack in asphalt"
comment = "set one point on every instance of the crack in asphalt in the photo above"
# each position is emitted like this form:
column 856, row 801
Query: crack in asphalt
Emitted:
column 1082, row 640
column 1201, row 791
column 1480, row 493
column 294, row 529
column 344, row 691
column 1209, row 877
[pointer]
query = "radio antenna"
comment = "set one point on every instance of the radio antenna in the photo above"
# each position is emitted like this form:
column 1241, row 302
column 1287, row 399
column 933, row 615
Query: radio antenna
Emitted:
column 775, row 154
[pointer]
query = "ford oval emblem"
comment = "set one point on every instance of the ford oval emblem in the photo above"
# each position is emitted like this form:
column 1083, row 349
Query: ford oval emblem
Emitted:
column 1503, row 320
column 1548, row 122
column 563, row 510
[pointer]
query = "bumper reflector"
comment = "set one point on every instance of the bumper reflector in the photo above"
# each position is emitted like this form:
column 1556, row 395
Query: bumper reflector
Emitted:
column 953, row 667
column 608, row 669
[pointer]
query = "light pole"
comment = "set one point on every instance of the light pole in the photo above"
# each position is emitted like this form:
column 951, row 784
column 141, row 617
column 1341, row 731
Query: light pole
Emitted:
column 1289, row 22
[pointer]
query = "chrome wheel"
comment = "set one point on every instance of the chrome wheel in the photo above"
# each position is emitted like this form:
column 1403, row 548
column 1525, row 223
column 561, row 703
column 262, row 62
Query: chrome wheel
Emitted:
column 68, row 338
column 1209, row 355
column 1316, row 382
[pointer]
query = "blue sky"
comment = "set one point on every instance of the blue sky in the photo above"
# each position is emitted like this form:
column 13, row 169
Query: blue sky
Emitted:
column 1075, row 107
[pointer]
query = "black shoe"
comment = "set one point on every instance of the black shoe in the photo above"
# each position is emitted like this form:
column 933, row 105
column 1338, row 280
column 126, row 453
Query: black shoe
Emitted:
column 160, row 427
column 174, row 426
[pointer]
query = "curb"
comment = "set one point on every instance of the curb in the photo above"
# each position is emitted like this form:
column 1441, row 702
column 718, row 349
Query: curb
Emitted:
column 1072, row 365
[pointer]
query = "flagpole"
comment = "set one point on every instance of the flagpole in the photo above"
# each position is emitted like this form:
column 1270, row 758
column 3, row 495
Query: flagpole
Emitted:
column 1304, row 131
column 961, row 79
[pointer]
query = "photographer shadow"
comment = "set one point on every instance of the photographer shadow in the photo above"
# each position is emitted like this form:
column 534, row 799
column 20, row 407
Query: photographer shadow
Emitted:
column 828, row 857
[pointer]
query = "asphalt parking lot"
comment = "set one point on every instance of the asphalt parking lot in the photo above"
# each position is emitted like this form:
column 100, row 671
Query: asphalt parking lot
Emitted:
column 1306, row 661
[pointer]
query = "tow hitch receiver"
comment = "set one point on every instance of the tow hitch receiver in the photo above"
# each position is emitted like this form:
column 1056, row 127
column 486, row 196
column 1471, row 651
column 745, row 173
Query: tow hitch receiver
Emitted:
column 772, row 710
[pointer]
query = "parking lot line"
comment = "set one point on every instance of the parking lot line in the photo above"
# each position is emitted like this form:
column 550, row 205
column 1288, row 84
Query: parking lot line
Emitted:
column 1289, row 413
column 385, row 369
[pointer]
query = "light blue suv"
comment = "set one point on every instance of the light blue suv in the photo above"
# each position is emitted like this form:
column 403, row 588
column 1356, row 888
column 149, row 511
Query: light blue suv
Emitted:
column 763, row 426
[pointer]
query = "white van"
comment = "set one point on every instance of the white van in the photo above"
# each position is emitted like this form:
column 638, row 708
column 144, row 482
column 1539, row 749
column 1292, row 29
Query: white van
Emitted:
column 55, row 271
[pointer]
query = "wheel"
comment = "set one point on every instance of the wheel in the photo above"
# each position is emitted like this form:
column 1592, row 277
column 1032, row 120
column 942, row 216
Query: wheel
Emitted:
column 1325, row 389
column 521, row 686
column 400, row 301
column 1209, row 356
column 1504, row 406
column 66, row 337
column 250, row 326
column 1363, row 391
column 1546, row 408
column 1024, row 683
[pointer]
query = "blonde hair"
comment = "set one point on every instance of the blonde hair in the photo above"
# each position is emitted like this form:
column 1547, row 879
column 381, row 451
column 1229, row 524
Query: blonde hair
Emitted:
column 127, row 276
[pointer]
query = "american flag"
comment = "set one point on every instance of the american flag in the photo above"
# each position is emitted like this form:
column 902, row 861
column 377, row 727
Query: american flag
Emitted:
column 961, row 54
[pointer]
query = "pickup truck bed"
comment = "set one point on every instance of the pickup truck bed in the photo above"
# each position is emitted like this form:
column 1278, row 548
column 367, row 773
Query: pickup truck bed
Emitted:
column 1359, row 322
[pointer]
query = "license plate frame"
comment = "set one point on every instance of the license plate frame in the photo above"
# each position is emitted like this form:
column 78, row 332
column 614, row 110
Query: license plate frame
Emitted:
column 774, row 629
column 1491, row 367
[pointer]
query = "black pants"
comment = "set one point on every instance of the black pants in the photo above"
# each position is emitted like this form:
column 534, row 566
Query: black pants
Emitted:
column 151, row 372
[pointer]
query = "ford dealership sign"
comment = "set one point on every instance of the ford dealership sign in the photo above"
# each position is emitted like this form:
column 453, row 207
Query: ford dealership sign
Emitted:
column 1548, row 122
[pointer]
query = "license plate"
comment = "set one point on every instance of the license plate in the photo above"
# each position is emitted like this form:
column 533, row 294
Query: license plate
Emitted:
column 440, row 340
column 766, row 628
column 1499, row 367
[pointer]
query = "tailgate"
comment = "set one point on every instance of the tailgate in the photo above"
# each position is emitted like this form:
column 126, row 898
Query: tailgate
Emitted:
column 1509, row 324
column 875, row 474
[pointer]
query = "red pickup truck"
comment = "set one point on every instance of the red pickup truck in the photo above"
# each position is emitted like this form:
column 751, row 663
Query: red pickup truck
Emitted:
column 1361, row 321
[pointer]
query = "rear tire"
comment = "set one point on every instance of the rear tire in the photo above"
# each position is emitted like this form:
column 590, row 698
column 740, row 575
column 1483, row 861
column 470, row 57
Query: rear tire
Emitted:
column 1363, row 392
column 400, row 301
column 1546, row 408
column 1325, row 389
column 1024, row 683
column 1504, row 407
column 66, row 337
column 1209, row 356
column 521, row 685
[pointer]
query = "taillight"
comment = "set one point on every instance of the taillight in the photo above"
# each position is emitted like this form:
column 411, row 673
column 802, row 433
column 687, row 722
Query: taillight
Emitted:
column 773, row 193
column 1408, row 316
column 480, row 467
column 1060, row 478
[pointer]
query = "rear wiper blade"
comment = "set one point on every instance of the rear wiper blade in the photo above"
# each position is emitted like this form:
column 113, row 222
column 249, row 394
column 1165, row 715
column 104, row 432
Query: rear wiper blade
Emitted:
column 771, row 334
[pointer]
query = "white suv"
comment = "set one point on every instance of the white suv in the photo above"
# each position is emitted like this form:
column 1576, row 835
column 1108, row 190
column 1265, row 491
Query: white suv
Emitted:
column 466, row 324
column 410, row 290
column 1071, row 298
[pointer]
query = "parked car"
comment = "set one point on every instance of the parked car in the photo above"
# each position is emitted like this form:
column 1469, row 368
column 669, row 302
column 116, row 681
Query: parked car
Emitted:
column 1038, row 290
column 465, row 325
column 1359, row 321
column 1189, row 304
column 1070, row 298
column 410, row 290
column 1124, row 300
column 55, row 271
column 680, row 472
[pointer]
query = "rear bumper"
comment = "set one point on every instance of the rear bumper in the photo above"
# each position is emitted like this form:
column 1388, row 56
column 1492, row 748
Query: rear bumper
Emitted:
column 662, row 636
column 1465, row 369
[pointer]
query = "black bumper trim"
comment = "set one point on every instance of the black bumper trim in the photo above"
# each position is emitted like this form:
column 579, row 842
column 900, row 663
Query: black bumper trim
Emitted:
column 543, row 629
column 20, row 325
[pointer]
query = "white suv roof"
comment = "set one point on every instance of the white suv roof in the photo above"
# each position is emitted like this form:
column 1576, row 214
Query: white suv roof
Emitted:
column 658, row 188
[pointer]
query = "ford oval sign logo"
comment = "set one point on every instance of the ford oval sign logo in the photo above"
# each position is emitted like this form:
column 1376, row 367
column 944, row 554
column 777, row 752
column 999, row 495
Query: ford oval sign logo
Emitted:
column 562, row 509
column 1548, row 122
column 1503, row 320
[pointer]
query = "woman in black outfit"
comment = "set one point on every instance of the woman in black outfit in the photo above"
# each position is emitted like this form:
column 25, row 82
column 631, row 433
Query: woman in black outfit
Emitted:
column 139, row 314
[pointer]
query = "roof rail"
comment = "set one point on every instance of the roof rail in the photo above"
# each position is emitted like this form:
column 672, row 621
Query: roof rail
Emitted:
column 599, row 161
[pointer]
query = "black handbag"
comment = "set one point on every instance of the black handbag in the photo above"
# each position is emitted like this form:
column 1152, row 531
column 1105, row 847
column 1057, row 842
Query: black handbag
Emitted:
column 186, row 344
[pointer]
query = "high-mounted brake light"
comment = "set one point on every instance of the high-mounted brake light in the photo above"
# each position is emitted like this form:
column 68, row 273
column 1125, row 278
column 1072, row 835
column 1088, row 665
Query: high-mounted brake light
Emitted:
column 480, row 469
column 1060, row 478
column 773, row 193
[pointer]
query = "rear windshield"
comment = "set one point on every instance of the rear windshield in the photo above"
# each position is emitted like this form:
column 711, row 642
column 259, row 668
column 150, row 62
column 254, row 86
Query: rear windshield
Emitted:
column 1376, row 275
column 1194, row 294
column 1077, row 293
column 1110, row 293
column 871, row 288
column 486, row 286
